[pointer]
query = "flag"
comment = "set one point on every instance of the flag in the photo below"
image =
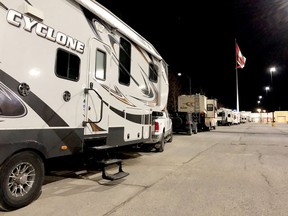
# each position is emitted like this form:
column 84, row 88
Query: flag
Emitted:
column 240, row 59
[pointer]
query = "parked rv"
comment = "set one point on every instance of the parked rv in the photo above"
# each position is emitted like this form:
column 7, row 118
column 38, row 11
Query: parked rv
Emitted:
column 236, row 117
column 73, row 84
column 212, row 113
column 225, row 116
column 196, row 104
column 245, row 116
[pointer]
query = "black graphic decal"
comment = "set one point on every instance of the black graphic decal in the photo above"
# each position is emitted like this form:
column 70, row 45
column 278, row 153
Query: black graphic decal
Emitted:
column 10, row 103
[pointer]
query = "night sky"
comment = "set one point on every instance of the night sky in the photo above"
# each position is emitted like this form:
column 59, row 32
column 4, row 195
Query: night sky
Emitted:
column 198, row 39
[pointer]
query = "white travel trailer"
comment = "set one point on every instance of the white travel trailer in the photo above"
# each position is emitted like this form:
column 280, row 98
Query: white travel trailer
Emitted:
column 225, row 116
column 245, row 116
column 236, row 117
column 74, row 80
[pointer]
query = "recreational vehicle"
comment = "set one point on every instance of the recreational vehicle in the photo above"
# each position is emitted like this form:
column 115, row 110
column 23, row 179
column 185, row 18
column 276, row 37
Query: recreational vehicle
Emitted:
column 225, row 116
column 212, row 112
column 245, row 116
column 236, row 117
column 197, row 105
column 74, row 80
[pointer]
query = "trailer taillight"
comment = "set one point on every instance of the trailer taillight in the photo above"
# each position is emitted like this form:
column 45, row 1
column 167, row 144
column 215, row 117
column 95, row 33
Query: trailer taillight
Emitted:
column 156, row 127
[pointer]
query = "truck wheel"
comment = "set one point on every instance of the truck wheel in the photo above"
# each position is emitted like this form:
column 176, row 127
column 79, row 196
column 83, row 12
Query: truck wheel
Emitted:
column 170, row 137
column 21, row 179
column 160, row 145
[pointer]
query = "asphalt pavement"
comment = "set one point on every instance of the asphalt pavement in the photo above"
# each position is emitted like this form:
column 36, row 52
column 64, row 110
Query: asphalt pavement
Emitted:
column 233, row 170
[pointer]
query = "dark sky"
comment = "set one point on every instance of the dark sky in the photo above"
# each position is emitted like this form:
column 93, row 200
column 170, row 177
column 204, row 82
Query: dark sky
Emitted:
column 198, row 38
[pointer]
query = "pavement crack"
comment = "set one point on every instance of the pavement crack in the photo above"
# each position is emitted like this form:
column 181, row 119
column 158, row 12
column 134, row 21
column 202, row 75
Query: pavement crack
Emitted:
column 260, row 157
column 266, row 180
column 199, row 153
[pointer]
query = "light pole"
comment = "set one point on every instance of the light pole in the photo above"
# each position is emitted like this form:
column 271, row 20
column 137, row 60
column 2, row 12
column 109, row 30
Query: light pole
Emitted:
column 272, row 70
column 264, row 111
column 259, row 100
column 259, row 111
column 190, row 90
column 267, row 88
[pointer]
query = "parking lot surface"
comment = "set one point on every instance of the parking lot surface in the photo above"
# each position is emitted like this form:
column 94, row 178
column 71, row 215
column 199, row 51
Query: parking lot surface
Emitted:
column 233, row 170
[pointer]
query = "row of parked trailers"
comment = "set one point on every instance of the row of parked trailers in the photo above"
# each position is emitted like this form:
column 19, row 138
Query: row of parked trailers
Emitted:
column 229, row 117
column 207, row 115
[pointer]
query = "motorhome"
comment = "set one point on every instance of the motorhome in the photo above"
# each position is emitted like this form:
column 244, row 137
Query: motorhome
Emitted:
column 74, row 80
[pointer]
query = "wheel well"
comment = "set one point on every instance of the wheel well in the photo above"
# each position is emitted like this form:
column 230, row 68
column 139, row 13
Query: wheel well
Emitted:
column 41, row 155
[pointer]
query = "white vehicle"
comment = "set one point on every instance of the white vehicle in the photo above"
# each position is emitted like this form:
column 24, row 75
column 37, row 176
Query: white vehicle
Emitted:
column 161, row 130
column 245, row 116
column 236, row 117
column 212, row 113
column 224, row 116
column 74, row 80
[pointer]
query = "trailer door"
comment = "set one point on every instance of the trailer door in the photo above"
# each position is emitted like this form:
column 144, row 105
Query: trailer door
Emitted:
column 96, row 115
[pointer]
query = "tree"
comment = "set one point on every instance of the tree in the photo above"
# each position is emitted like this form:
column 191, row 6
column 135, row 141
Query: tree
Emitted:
column 174, row 92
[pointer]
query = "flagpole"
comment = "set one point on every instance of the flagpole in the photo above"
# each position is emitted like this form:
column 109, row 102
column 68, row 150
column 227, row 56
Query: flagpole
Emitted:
column 239, row 62
column 237, row 93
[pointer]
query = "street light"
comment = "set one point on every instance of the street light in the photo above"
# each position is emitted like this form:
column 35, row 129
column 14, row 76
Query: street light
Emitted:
column 272, row 70
column 267, row 88
column 259, row 100
column 190, row 91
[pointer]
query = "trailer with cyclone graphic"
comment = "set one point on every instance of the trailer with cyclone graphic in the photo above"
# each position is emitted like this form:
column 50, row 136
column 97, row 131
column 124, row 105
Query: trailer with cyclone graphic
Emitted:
column 74, row 80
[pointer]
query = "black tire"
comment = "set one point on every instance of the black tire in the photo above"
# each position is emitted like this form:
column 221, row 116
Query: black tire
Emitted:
column 21, row 179
column 177, row 122
column 170, row 137
column 160, row 146
column 195, row 131
column 190, row 130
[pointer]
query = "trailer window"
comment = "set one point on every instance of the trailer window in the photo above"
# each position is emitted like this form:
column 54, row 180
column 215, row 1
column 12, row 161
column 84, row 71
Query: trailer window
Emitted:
column 67, row 65
column 100, row 68
column 209, row 107
column 153, row 72
column 220, row 114
column 124, row 62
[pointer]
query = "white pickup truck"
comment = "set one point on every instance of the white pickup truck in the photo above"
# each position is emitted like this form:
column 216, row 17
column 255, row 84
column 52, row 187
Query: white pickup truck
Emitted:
column 161, row 130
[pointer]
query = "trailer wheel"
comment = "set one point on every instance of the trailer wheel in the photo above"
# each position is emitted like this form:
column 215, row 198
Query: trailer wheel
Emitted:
column 195, row 131
column 21, row 179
